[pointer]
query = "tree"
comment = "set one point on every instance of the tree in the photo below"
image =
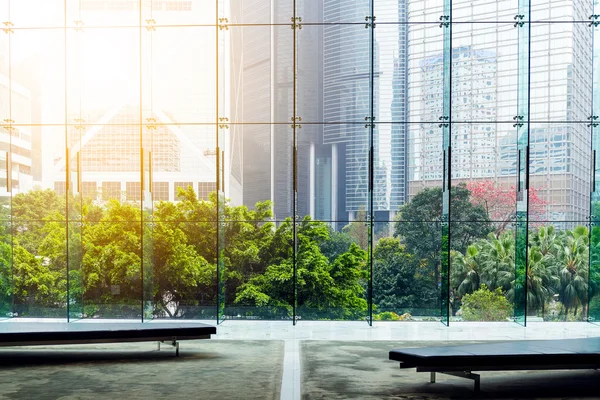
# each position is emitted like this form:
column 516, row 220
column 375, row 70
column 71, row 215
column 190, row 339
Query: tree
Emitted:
column 500, row 202
column 573, row 259
column 464, row 271
column 395, row 284
column 358, row 230
column 497, row 260
column 419, row 225
column 486, row 305
column 324, row 289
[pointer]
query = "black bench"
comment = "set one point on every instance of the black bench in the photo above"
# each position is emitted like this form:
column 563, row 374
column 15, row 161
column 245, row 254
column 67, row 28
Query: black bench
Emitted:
column 55, row 333
column 462, row 360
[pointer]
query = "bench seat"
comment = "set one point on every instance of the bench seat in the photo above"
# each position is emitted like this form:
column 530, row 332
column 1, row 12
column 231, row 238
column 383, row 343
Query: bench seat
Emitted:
column 501, row 356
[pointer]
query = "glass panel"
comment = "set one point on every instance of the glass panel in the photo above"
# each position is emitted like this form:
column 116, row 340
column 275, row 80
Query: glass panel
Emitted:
column 104, row 76
column 6, row 265
column 418, row 11
column 332, row 271
column 179, row 73
column 484, row 71
column 560, row 160
column 112, row 262
column 482, row 270
column 258, row 265
column 261, row 74
column 75, row 284
column 114, row 266
column 487, row 11
column 36, row 14
column 37, row 61
column 94, row 14
column 594, row 284
column 266, row 169
column 406, row 267
column 39, row 224
column 558, row 271
column 177, row 13
column 337, row 89
column 257, row 12
column 184, row 283
column 562, row 11
column 484, row 161
column 561, row 70
column 39, row 256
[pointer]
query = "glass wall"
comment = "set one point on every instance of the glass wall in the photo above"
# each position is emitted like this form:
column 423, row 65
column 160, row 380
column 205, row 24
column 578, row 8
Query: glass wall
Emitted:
column 300, row 160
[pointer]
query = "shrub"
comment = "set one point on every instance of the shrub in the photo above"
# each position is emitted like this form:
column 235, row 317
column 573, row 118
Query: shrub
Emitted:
column 386, row 316
column 485, row 305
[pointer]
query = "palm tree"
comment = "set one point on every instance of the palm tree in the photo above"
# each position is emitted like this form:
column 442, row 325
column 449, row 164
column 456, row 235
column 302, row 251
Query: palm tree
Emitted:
column 464, row 271
column 497, row 259
column 541, row 280
column 573, row 261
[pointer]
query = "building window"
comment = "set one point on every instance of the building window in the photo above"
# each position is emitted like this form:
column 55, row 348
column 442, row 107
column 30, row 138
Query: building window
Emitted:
column 205, row 189
column 182, row 185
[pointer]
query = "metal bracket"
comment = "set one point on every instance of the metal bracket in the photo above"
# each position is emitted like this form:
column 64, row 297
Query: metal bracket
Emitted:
column 593, row 119
column 594, row 20
column 444, row 119
column 370, row 122
column 151, row 123
column 78, row 26
column 372, row 23
column 445, row 21
column 461, row 374
column 150, row 26
column 295, row 125
column 223, row 123
column 8, row 27
column 223, row 24
column 296, row 22
column 519, row 18
column 519, row 119
column 173, row 343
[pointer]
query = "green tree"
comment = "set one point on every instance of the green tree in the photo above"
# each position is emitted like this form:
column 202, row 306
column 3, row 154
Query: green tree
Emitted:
column 324, row 289
column 395, row 283
column 573, row 260
column 419, row 225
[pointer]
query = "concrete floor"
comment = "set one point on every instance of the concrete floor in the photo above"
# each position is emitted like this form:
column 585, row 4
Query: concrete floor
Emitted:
column 400, row 331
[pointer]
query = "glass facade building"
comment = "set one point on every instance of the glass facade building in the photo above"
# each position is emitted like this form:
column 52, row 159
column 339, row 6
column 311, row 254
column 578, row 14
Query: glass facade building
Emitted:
column 299, row 159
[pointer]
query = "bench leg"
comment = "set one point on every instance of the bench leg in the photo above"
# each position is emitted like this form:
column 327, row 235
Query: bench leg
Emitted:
column 175, row 344
column 432, row 377
column 468, row 375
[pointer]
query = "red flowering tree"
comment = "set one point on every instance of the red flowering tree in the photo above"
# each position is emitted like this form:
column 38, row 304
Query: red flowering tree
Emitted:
column 500, row 202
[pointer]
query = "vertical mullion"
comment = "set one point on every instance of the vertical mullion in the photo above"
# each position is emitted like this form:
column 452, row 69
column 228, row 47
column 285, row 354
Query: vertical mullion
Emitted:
column 8, row 171
column 67, row 219
column 446, row 125
column 371, row 165
column 141, row 149
column 594, row 238
column 294, row 167
column 522, row 122
column 219, row 258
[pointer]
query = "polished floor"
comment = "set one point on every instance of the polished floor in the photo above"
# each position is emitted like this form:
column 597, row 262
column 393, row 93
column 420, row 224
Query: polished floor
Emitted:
column 361, row 331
